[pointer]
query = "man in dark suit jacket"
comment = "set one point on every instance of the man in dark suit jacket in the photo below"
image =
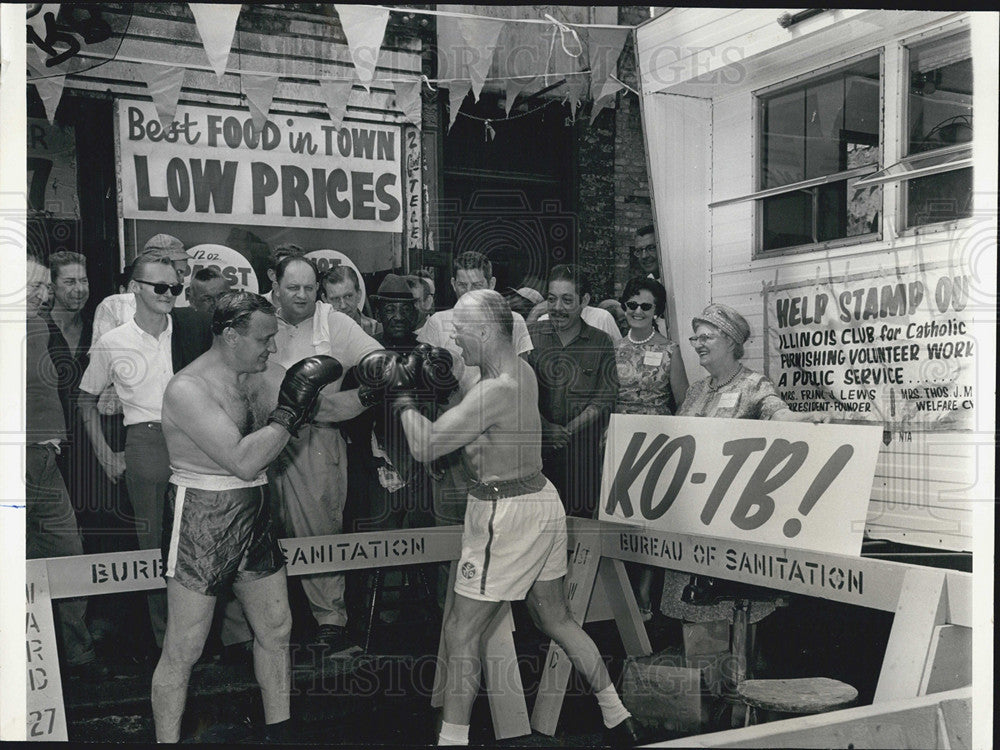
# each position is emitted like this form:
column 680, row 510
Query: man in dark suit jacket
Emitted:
column 138, row 358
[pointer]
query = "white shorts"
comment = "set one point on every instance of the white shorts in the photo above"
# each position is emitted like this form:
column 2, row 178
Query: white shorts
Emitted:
column 510, row 543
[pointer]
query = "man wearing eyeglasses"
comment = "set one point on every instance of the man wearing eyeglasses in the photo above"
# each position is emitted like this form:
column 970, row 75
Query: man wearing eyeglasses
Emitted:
column 645, row 252
column 138, row 358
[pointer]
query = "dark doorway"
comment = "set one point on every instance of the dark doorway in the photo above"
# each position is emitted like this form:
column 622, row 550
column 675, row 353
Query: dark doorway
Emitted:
column 81, row 217
column 508, row 187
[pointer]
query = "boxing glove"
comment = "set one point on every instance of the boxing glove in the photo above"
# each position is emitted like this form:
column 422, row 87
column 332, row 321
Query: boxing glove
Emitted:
column 299, row 391
column 423, row 349
column 412, row 365
column 437, row 374
column 383, row 371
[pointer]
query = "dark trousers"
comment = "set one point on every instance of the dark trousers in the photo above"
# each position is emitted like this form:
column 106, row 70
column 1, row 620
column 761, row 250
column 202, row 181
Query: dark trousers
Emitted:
column 147, row 474
column 575, row 471
column 51, row 531
column 103, row 511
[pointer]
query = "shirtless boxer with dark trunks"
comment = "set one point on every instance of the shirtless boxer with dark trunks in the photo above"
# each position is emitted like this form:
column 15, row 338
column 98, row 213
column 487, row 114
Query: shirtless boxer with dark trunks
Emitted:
column 514, row 541
column 226, row 416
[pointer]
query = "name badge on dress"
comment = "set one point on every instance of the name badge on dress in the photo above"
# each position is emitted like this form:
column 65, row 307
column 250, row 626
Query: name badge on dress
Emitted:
column 652, row 359
column 729, row 400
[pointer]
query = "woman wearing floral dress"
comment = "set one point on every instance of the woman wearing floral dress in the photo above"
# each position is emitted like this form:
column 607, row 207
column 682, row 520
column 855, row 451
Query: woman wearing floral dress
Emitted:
column 650, row 374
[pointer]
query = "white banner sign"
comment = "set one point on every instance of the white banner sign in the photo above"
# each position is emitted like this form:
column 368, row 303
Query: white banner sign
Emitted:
column 790, row 484
column 213, row 165
column 892, row 349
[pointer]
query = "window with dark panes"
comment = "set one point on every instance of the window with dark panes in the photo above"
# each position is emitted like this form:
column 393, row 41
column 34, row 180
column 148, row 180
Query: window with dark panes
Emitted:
column 939, row 129
column 817, row 138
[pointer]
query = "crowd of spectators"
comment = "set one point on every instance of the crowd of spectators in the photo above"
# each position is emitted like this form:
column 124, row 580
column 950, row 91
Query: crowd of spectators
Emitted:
column 97, row 464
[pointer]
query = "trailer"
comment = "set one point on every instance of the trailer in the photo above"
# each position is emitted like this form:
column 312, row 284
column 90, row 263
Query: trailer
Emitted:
column 814, row 170
column 822, row 172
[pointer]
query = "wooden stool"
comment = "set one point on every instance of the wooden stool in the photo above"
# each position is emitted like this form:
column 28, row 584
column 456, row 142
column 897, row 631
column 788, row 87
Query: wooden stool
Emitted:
column 808, row 695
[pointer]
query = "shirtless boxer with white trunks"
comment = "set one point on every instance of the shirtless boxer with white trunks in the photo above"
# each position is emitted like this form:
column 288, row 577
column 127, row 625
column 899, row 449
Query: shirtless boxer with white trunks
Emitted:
column 226, row 416
column 514, row 541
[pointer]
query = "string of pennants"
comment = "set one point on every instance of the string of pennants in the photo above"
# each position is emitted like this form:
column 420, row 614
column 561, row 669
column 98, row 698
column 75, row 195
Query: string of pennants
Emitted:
column 581, row 58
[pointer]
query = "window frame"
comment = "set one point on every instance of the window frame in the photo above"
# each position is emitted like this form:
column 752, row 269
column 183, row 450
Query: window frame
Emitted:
column 960, row 26
column 758, row 158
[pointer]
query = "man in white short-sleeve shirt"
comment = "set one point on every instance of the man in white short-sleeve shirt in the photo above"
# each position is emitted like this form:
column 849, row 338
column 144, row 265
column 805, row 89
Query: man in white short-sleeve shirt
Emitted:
column 472, row 270
column 310, row 474
column 137, row 359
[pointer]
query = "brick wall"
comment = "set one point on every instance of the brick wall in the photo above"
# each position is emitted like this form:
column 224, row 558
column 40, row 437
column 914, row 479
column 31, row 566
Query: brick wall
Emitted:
column 612, row 183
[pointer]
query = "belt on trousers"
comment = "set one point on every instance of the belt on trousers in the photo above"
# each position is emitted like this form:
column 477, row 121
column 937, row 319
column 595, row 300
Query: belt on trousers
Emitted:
column 498, row 489
column 502, row 488
column 148, row 425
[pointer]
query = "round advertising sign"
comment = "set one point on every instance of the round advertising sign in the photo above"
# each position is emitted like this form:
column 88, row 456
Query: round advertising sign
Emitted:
column 233, row 266
column 327, row 259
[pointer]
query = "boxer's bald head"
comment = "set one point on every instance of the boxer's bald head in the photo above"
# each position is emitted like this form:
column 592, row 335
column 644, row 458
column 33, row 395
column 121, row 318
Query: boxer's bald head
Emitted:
column 489, row 307
column 483, row 325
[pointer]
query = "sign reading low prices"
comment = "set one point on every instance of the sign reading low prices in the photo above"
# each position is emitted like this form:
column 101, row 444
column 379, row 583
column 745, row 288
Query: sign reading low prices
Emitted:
column 790, row 484
column 212, row 164
column 896, row 350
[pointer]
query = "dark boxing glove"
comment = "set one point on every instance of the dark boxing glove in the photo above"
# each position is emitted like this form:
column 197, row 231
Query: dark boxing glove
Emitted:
column 297, row 397
column 437, row 374
column 384, row 372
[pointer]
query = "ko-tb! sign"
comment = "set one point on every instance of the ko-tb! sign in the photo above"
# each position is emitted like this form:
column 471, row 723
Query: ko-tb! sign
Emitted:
column 790, row 484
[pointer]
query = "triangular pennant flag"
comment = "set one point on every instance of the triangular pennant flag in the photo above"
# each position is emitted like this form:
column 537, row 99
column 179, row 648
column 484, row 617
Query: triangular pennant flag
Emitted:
column 259, row 88
column 364, row 27
column 164, row 83
column 480, row 38
column 576, row 90
column 49, row 89
column 216, row 24
column 605, row 99
column 457, row 91
column 408, row 99
column 336, row 94
column 514, row 87
column 604, row 47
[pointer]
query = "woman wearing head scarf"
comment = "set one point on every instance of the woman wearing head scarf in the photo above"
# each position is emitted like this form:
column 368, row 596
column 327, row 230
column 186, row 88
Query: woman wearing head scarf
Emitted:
column 732, row 391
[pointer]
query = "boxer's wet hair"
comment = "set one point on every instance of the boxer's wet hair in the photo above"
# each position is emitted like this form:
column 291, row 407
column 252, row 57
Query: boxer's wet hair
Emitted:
column 491, row 308
column 235, row 309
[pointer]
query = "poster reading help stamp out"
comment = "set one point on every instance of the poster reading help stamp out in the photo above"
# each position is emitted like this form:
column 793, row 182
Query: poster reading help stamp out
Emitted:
column 790, row 484
column 895, row 349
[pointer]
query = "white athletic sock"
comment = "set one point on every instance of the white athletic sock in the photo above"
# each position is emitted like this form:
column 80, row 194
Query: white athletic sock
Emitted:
column 453, row 734
column 612, row 709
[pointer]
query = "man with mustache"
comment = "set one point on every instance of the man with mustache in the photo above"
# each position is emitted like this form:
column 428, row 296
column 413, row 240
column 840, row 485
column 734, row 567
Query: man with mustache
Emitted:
column 577, row 388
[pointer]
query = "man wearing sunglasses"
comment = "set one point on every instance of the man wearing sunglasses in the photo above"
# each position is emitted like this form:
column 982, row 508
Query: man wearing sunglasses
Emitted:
column 138, row 358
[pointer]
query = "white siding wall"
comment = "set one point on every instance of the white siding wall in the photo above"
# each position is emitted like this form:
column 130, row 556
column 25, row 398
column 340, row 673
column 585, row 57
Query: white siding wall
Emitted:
column 921, row 491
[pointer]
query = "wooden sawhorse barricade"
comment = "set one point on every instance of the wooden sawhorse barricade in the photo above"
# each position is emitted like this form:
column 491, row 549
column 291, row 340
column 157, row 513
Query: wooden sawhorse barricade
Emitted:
column 930, row 633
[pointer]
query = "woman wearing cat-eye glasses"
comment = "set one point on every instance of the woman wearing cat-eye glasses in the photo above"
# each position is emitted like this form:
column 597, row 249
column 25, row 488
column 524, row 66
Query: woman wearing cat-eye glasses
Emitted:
column 651, row 377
